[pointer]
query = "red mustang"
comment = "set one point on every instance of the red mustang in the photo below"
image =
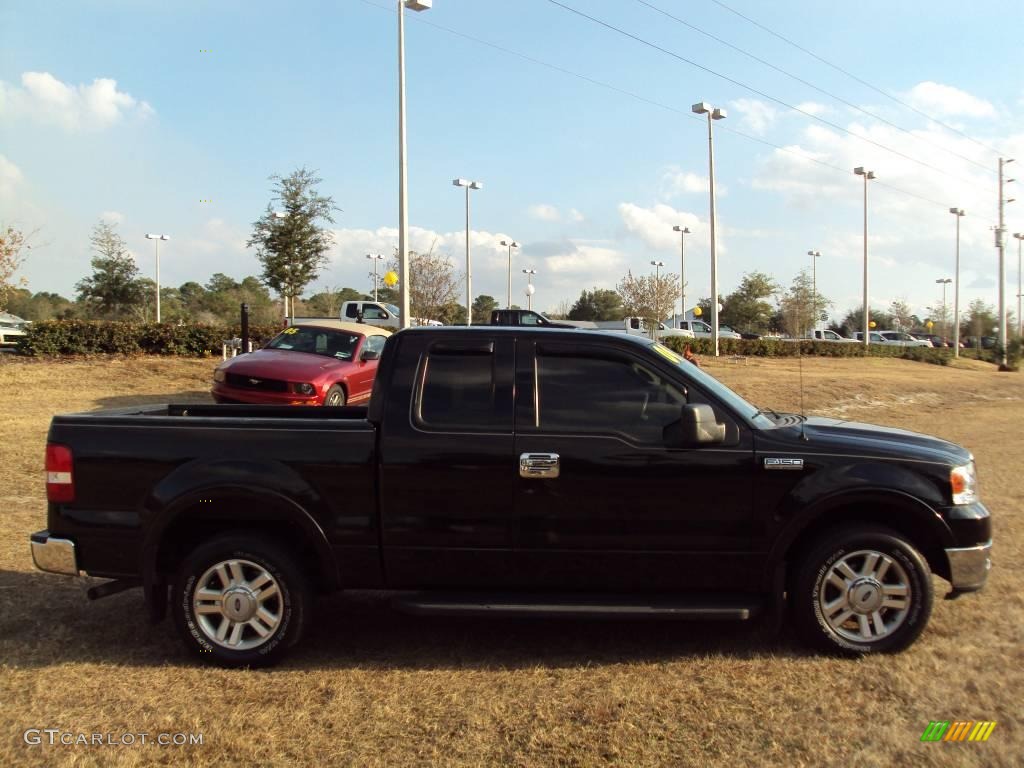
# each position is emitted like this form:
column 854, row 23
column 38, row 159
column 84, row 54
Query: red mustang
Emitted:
column 328, row 362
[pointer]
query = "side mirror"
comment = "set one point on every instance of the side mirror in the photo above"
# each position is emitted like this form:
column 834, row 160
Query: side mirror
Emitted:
column 369, row 354
column 696, row 426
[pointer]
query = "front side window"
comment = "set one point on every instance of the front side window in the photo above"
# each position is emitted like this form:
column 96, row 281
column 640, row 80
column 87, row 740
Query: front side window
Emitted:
column 459, row 390
column 580, row 393
column 374, row 313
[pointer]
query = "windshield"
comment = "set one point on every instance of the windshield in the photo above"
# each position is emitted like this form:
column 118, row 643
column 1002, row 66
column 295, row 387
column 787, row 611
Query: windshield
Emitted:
column 393, row 310
column 714, row 386
column 340, row 345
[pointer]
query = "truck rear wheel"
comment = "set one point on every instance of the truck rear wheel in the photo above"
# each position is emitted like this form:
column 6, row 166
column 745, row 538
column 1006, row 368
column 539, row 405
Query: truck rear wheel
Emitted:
column 240, row 600
column 862, row 589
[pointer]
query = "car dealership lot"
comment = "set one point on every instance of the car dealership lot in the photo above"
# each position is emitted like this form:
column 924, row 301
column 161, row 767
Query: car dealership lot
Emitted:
column 370, row 686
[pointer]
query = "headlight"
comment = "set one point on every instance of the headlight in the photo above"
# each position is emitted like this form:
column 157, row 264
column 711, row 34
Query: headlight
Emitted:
column 305, row 389
column 219, row 375
column 963, row 482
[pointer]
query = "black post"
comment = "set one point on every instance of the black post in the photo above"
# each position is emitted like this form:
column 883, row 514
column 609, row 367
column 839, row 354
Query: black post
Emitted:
column 245, row 328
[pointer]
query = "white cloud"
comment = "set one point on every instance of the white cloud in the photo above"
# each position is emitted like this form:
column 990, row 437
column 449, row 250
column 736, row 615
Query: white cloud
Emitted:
column 216, row 237
column 814, row 108
column 675, row 181
column 544, row 212
column 946, row 100
column 755, row 115
column 112, row 217
column 10, row 177
column 654, row 225
column 576, row 216
column 42, row 97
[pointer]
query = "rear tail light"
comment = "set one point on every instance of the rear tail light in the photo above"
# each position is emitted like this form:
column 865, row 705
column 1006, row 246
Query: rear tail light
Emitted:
column 60, row 476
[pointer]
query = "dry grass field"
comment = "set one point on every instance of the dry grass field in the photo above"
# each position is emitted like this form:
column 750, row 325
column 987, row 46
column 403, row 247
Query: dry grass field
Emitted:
column 370, row 687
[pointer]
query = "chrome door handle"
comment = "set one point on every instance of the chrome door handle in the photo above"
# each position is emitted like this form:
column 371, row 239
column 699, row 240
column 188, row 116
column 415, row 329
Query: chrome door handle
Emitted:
column 538, row 466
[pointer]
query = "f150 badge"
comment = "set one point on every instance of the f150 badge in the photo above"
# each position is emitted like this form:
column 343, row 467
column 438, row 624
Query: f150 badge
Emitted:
column 783, row 463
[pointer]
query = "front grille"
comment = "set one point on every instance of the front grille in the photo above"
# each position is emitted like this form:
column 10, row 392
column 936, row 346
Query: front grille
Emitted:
column 257, row 383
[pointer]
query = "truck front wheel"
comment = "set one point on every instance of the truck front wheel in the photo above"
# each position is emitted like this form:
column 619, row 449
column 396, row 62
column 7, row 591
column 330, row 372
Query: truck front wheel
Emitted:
column 862, row 589
column 240, row 600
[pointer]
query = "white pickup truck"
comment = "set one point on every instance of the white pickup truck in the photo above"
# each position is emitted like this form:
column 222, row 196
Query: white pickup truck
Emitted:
column 825, row 334
column 378, row 313
column 637, row 326
column 702, row 330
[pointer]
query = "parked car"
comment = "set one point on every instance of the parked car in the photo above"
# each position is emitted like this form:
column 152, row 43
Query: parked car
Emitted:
column 12, row 328
column 824, row 334
column 986, row 342
column 508, row 472
column 637, row 326
column 322, row 362
column 703, row 331
column 515, row 317
column 892, row 338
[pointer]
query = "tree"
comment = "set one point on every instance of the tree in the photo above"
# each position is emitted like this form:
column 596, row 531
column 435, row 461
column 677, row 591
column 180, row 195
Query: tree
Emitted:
column 39, row 306
column 800, row 306
column 482, row 307
column 13, row 244
column 647, row 296
column 113, row 289
column 328, row 302
column 853, row 322
column 293, row 248
column 451, row 313
column 598, row 304
column 433, row 284
column 746, row 308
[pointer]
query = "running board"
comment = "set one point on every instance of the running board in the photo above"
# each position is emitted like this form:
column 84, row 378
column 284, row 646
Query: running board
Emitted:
column 678, row 608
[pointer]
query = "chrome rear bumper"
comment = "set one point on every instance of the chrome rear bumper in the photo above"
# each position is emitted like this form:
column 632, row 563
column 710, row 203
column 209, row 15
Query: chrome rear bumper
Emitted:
column 54, row 555
column 969, row 566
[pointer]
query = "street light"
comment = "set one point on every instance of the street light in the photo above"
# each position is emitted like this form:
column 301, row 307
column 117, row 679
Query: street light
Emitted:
column 511, row 244
column 529, row 286
column 375, row 257
column 469, row 265
column 1019, row 236
column 657, row 286
column 958, row 212
column 944, row 281
column 683, row 232
column 815, row 255
column 158, row 238
column 403, row 196
column 868, row 175
column 713, row 113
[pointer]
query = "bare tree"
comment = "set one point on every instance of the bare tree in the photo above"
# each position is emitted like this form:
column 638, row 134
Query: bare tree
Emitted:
column 433, row 282
column 647, row 296
column 13, row 243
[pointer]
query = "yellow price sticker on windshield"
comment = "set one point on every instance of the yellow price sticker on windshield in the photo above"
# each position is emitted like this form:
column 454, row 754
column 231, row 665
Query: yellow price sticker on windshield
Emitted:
column 667, row 353
column 293, row 329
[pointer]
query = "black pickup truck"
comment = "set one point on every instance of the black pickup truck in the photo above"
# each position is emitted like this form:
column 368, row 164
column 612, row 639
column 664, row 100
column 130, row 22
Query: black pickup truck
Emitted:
column 514, row 471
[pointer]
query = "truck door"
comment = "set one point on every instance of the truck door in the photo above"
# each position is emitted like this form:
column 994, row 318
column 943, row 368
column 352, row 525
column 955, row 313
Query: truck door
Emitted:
column 604, row 502
column 447, row 469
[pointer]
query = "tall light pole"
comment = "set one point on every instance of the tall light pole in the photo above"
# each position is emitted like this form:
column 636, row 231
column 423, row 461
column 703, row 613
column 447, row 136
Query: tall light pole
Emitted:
column 511, row 244
column 529, row 286
column 158, row 238
column 403, row 195
column 713, row 113
column 375, row 258
column 1000, row 233
column 815, row 255
column 657, row 288
column 469, row 264
column 683, row 232
column 1019, row 236
column 868, row 175
column 944, row 282
column 958, row 212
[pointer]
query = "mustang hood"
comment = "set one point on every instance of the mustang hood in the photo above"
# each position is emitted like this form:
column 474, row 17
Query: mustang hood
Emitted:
column 872, row 440
column 282, row 364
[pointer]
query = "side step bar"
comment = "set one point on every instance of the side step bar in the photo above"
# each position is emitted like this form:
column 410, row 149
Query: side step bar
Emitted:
column 578, row 606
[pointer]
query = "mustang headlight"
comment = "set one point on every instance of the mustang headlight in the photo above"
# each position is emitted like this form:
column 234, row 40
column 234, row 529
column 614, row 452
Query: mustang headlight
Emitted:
column 219, row 375
column 305, row 389
column 963, row 482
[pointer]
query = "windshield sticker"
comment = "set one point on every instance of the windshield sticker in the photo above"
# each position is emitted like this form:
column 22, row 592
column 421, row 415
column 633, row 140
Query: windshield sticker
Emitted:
column 667, row 353
column 293, row 329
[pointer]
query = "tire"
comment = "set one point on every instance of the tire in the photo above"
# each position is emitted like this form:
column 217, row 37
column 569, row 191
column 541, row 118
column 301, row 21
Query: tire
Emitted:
column 335, row 396
column 886, row 598
column 248, row 627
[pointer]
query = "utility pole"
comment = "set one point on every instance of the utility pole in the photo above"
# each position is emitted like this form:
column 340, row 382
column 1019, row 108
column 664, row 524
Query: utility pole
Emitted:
column 1000, row 232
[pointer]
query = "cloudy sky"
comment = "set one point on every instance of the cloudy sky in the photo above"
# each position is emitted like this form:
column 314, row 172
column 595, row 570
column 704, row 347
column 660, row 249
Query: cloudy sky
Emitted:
column 169, row 117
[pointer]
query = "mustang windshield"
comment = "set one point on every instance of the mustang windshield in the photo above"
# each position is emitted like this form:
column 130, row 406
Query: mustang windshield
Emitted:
column 317, row 341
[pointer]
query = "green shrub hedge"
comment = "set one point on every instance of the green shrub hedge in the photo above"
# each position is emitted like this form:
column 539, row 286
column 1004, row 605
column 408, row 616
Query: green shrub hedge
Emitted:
column 807, row 348
column 92, row 337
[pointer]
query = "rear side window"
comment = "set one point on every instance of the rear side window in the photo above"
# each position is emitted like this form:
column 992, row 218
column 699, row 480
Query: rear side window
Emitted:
column 351, row 311
column 459, row 390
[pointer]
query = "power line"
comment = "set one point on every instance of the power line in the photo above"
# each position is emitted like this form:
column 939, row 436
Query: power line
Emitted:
column 661, row 105
column 849, row 74
column 811, row 85
column 753, row 90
